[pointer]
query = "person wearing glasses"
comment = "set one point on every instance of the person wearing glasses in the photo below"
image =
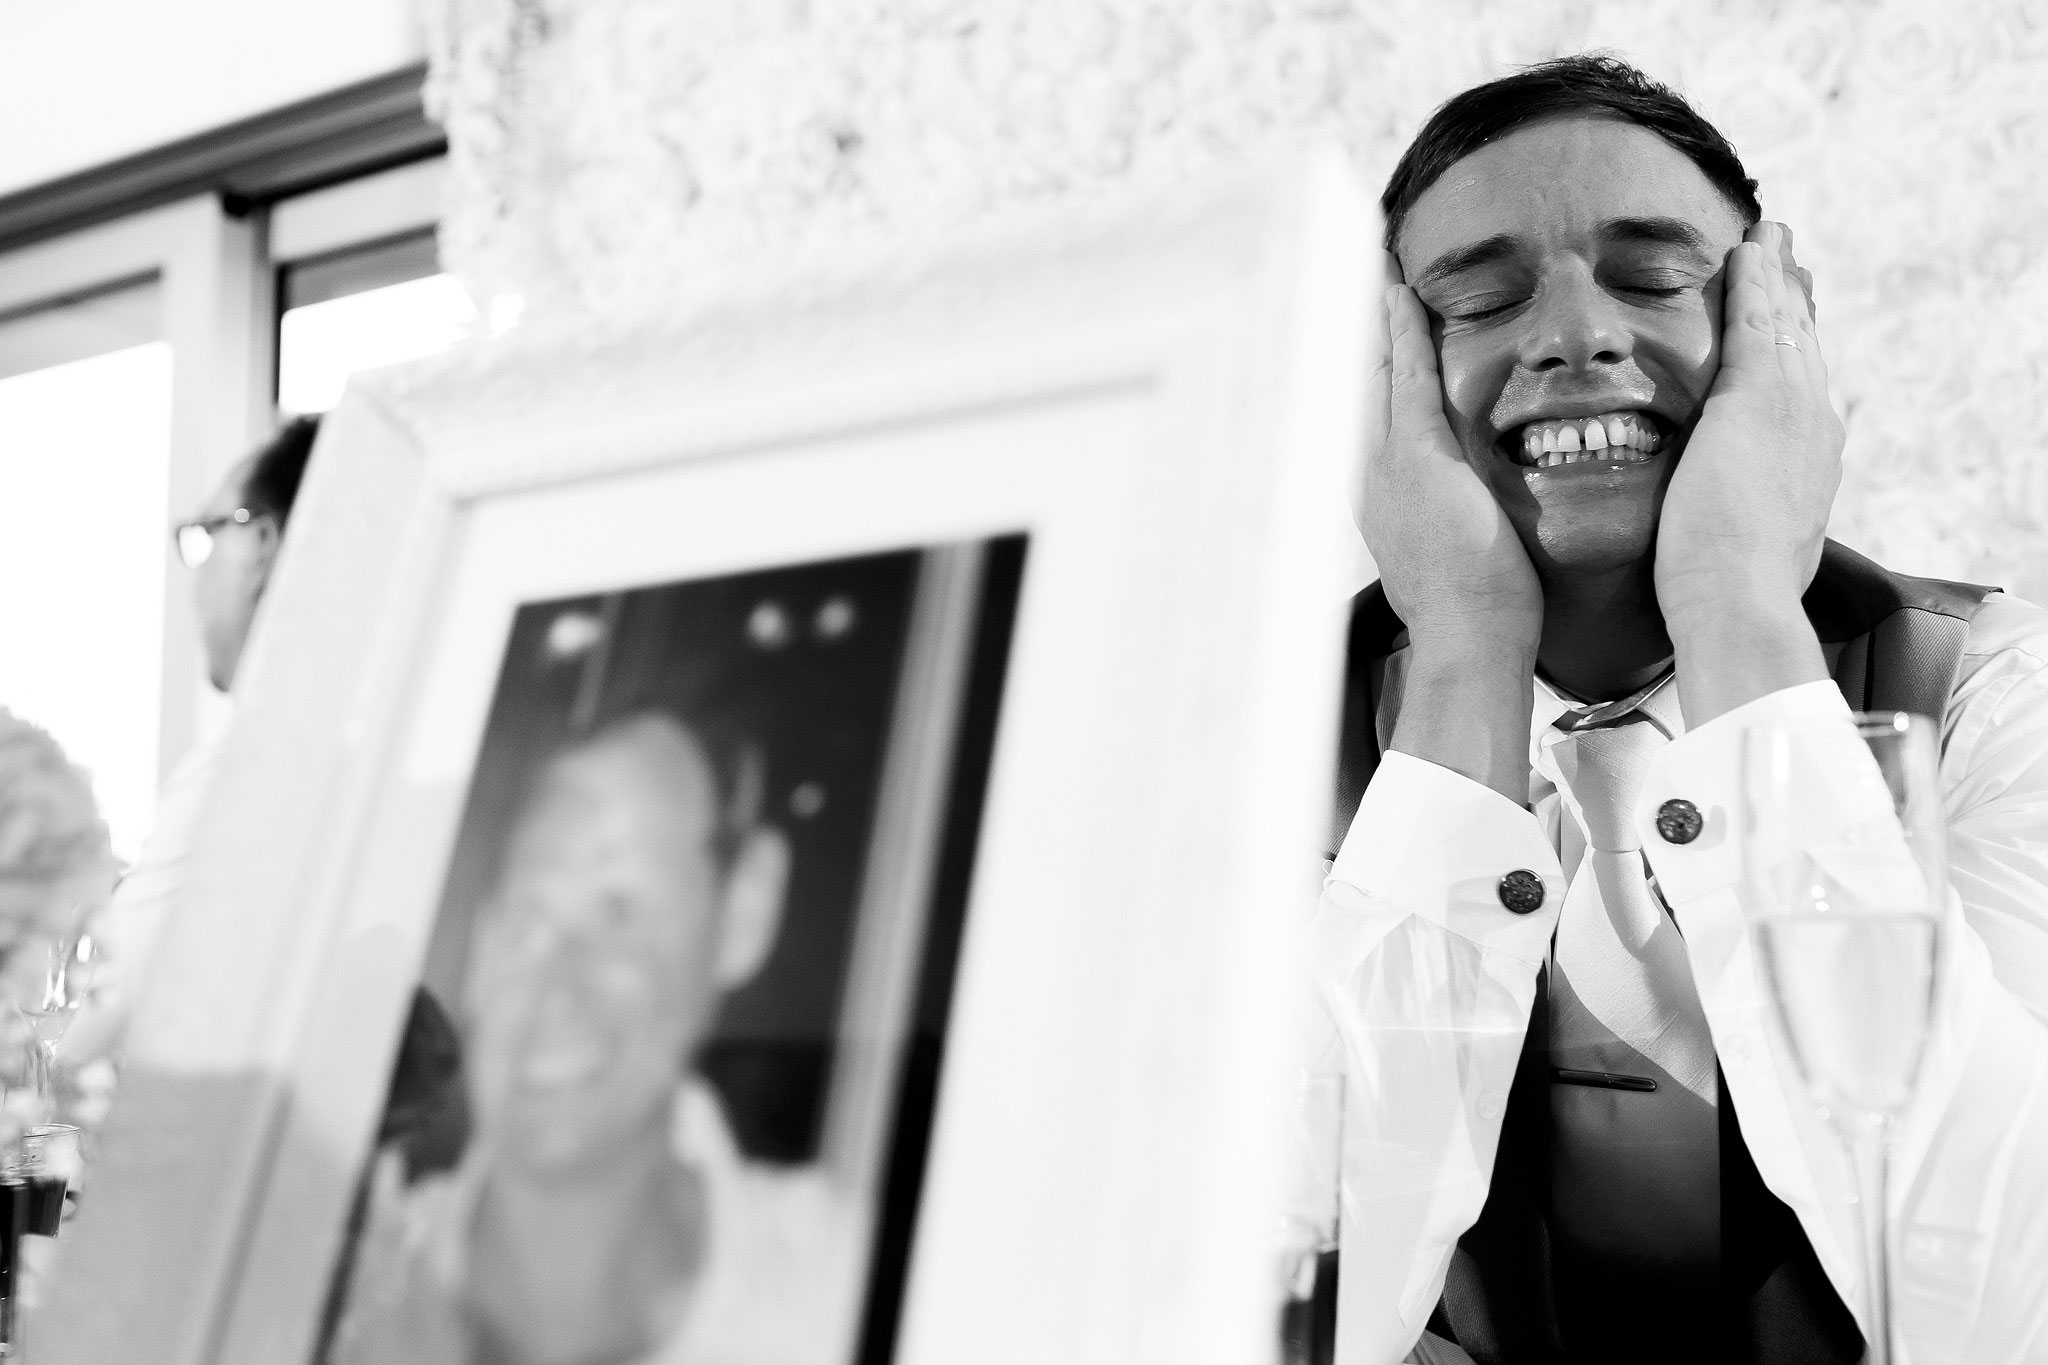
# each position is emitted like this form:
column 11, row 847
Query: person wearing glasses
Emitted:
column 229, row 548
column 232, row 544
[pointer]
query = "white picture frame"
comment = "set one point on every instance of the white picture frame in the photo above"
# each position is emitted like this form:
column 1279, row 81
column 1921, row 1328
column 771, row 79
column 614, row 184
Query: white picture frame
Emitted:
column 1166, row 397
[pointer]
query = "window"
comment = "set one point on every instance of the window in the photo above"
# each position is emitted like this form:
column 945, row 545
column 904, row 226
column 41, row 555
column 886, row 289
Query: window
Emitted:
column 155, row 314
column 360, row 283
column 85, row 424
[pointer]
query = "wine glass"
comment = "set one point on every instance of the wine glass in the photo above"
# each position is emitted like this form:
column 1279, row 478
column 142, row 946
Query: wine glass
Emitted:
column 53, row 985
column 1845, row 891
column 1308, row 1219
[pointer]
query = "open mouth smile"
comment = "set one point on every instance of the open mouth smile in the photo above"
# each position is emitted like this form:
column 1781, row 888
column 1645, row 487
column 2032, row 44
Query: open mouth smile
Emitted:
column 1614, row 438
column 569, row 1060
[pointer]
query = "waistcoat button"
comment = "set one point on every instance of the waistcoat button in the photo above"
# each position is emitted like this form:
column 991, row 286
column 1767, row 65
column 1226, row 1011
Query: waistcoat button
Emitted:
column 1521, row 891
column 1678, row 821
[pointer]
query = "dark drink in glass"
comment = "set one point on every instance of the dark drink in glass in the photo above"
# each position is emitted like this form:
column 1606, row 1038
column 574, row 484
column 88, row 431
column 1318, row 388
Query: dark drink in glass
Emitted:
column 1308, row 1326
column 28, row 1204
column 45, row 1204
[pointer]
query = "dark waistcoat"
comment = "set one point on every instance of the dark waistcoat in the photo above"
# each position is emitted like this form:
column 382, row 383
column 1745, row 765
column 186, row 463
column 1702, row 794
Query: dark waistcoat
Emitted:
column 1893, row 643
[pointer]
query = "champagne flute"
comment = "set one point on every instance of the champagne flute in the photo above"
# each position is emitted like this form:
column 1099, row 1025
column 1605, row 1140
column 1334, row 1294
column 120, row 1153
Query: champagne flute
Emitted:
column 1845, row 891
column 48, row 1000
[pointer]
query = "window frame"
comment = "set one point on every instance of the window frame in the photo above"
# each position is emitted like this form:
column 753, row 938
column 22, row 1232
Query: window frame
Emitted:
column 216, row 310
column 215, row 219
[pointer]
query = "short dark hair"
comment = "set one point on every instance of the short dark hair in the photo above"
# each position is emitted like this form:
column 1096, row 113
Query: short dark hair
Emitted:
column 272, row 484
column 1584, row 84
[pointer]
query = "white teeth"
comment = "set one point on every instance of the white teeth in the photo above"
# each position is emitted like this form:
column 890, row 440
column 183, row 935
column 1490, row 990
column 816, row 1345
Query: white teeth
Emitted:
column 1618, row 437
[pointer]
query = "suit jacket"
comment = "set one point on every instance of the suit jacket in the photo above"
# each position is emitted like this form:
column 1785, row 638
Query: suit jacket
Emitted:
column 1892, row 642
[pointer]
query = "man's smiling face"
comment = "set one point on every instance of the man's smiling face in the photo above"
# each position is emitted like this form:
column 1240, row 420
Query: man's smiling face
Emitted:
column 1572, row 271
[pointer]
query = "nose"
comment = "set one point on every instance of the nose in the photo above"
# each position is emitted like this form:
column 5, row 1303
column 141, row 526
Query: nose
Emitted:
column 1575, row 325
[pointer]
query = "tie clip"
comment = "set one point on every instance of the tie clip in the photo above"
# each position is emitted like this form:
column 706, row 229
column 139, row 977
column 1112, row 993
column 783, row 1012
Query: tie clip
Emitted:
column 1606, row 1080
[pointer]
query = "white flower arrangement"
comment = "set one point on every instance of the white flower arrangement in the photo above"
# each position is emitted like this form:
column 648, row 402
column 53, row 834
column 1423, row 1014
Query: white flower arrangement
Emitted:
column 56, row 868
column 56, row 864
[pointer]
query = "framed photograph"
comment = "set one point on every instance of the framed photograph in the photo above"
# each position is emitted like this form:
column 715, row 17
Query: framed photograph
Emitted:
column 772, row 836
column 680, row 950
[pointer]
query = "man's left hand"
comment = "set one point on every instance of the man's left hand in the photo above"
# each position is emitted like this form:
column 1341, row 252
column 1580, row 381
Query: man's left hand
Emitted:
column 1747, row 507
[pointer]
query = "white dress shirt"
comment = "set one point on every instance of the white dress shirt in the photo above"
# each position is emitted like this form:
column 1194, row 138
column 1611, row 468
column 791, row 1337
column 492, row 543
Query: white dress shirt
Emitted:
column 127, row 930
column 1429, row 981
column 781, row 1282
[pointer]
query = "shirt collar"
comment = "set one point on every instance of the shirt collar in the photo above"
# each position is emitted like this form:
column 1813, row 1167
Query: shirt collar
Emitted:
column 1656, row 700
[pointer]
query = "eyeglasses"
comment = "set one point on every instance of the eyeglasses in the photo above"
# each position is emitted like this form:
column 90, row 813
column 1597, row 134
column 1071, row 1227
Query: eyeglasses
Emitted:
column 194, row 539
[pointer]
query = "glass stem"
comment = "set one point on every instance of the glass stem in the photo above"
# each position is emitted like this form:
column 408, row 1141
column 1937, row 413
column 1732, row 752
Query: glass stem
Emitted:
column 45, row 1068
column 1870, row 1152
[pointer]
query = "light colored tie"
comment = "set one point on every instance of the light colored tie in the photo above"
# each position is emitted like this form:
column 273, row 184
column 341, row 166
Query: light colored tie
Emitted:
column 1634, row 1160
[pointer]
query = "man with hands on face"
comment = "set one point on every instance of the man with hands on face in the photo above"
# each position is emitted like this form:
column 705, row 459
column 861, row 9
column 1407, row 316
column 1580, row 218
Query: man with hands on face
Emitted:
column 1597, row 500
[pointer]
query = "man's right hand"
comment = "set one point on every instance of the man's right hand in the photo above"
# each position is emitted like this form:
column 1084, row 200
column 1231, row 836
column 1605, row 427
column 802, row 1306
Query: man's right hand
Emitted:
column 1452, row 566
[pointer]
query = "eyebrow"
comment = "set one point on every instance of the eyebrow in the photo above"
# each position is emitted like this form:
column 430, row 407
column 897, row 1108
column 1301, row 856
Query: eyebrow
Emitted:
column 1658, row 232
column 1461, row 259
column 1674, row 232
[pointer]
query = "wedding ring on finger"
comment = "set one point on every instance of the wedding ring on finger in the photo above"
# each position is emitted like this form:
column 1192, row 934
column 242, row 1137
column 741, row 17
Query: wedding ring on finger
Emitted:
column 1783, row 340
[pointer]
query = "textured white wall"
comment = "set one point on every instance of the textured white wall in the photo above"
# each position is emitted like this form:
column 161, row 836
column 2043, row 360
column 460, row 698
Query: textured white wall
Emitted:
column 612, row 156
column 86, row 81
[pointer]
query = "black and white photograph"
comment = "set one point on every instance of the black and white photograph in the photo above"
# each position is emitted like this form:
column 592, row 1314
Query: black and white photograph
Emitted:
column 899, row 682
column 626, row 1119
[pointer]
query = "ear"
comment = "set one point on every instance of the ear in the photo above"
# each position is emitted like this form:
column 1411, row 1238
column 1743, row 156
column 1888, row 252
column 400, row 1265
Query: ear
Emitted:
column 755, row 888
column 263, row 554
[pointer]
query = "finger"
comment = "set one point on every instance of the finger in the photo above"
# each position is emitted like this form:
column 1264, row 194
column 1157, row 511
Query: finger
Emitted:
column 1795, row 275
column 1805, row 279
column 1747, row 327
column 1378, row 382
column 1415, row 393
column 1796, row 306
column 1798, row 286
column 1771, row 237
column 1791, row 307
column 1807, row 317
column 1792, row 331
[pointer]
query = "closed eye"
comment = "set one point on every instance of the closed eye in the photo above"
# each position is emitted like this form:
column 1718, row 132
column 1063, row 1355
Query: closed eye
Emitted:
column 1482, row 308
column 1655, row 284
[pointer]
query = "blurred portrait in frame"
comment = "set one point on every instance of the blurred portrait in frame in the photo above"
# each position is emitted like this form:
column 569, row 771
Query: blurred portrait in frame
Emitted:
column 688, row 941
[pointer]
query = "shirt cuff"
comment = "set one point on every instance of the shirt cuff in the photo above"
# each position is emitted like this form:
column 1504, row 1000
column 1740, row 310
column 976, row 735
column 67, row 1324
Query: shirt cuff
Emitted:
column 1702, row 769
column 1435, row 844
